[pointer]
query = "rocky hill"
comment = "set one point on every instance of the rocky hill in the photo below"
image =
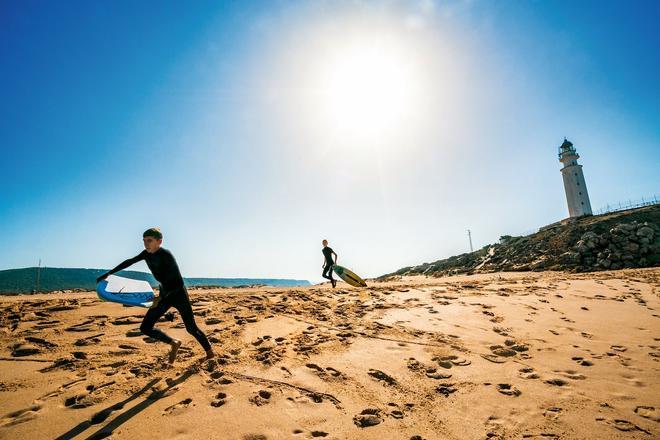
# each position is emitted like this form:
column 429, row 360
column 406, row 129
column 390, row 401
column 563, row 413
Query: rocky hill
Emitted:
column 617, row 240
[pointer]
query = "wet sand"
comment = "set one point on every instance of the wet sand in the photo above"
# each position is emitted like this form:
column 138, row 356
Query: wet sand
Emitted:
column 512, row 355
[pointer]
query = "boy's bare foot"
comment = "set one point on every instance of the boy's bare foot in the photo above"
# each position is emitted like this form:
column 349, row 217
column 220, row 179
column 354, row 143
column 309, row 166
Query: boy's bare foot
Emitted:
column 175, row 348
column 210, row 354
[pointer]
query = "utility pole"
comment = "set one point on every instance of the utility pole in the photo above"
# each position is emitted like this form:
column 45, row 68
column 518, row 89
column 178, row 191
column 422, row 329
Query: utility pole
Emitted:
column 470, row 238
column 38, row 276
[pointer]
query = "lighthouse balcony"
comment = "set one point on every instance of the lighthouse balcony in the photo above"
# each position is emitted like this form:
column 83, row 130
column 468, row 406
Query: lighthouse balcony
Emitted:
column 563, row 152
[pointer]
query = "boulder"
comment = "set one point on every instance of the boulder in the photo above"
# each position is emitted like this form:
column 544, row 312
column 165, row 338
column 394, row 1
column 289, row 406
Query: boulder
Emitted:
column 631, row 248
column 646, row 232
column 581, row 247
column 626, row 227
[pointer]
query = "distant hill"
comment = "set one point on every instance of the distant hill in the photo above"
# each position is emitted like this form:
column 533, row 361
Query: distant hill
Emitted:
column 617, row 240
column 52, row 279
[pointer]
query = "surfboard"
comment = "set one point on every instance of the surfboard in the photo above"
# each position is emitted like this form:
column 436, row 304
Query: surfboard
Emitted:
column 349, row 276
column 125, row 291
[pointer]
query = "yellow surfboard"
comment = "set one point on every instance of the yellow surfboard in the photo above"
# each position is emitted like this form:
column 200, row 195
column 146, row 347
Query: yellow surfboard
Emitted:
column 349, row 276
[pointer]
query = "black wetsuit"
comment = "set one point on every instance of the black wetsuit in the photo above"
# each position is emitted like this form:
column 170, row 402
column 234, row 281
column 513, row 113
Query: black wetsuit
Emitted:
column 329, row 262
column 173, row 293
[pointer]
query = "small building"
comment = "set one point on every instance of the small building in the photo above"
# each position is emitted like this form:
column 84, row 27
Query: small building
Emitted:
column 575, row 187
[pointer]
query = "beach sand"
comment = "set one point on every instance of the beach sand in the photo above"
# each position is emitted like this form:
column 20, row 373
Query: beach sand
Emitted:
column 512, row 355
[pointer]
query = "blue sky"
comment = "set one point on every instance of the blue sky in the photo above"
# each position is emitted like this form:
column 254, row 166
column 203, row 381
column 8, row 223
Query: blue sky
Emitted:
column 215, row 122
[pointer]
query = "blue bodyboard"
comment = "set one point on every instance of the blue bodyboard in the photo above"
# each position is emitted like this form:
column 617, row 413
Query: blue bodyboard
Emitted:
column 125, row 291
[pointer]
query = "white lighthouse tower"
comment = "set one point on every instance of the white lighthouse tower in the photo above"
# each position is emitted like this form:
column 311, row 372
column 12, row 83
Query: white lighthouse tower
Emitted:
column 574, row 184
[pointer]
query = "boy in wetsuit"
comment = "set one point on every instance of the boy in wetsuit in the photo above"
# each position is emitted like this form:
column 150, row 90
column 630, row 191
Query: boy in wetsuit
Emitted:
column 328, row 262
column 173, row 292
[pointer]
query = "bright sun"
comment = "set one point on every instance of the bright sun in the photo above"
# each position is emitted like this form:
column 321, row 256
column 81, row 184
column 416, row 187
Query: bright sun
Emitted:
column 367, row 90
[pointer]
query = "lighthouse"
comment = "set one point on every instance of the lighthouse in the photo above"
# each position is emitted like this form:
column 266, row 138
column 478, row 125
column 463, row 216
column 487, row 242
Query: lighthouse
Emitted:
column 574, row 184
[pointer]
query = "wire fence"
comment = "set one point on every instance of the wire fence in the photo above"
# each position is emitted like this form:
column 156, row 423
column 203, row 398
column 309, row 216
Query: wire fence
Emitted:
column 630, row 204
column 615, row 207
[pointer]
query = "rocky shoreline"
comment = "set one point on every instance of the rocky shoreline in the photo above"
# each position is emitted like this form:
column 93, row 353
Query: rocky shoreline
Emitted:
column 621, row 240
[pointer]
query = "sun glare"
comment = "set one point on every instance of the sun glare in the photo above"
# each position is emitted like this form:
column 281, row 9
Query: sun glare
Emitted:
column 366, row 90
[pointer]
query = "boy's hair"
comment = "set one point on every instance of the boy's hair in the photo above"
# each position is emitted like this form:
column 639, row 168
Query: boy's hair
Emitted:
column 153, row 232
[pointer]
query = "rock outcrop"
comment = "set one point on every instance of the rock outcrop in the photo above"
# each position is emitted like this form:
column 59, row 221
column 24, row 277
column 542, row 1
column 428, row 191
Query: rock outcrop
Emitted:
column 626, row 239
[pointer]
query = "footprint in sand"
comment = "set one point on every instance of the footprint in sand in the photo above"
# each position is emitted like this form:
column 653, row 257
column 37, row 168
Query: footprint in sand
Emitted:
column 41, row 342
column 626, row 426
column 83, row 400
column 517, row 346
column 494, row 428
column 133, row 333
column 446, row 389
column 556, row 382
column 552, row 413
column 431, row 372
column 368, row 417
column 528, row 373
column 493, row 358
column 21, row 416
column 90, row 340
column 162, row 390
column 508, row 390
column 502, row 330
column 499, row 352
column 218, row 377
column 177, row 407
column 395, row 412
column 220, row 399
column 571, row 374
column 126, row 321
column 334, row 372
column 648, row 412
column 582, row 361
column 323, row 373
column 379, row 375
column 451, row 361
column 261, row 398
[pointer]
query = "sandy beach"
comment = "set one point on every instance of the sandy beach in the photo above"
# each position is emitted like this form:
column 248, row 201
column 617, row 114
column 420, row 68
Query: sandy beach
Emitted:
column 510, row 355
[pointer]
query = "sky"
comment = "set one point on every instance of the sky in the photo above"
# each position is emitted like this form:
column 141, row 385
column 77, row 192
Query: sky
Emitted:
column 250, row 131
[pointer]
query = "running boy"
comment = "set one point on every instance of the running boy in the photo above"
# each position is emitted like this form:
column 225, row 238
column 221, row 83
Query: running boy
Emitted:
column 173, row 292
column 328, row 262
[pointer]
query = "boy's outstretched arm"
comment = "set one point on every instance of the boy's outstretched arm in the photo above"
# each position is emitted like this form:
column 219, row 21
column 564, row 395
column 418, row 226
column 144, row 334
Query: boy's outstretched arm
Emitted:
column 123, row 265
column 335, row 256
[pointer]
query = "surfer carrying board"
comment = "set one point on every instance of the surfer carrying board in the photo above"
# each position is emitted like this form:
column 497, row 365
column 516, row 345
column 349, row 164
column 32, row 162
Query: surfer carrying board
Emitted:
column 328, row 262
column 173, row 293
